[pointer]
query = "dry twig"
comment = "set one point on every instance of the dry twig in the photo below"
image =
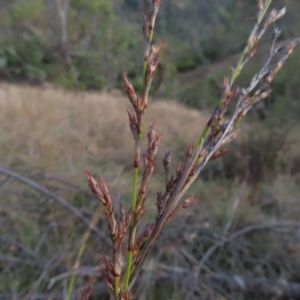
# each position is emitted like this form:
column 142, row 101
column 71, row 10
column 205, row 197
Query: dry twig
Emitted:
column 56, row 198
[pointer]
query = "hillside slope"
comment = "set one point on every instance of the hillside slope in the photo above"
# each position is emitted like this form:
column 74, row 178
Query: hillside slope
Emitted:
column 49, row 128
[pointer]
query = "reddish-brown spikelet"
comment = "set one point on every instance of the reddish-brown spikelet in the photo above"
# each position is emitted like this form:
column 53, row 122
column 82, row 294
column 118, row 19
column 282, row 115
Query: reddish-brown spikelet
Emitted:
column 143, row 237
column 167, row 161
column 122, row 229
column 153, row 140
column 160, row 203
column 189, row 150
column 187, row 202
column 113, row 226
column 129, row 89
column 218, row 154
column 152, row 62
column 127, row 296
column 225, row 86
column 139, row 213
column 100, row 190
column 146, row 28
column 107, row 271
column 230, row 96
column 290, row 48
column 252, row 52
column 260, row 5
column 94, row 186
column 134, row 126
column 86, row 292
column 214, row 119
column 118, row 263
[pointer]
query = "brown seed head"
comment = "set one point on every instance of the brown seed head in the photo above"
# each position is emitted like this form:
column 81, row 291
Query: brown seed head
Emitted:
column 106, row 194
column 155, row 48
column 153, row 142
column 260, row 5
column 146, row 28
column 230, row 96
column 167, row 161
column 143, row 237
column 139, row 213
column 86, row 292
column 187, row 202
column 129, row 89
column 155, row 2
column 151, row 134
column 190, row 150
column 134, row 126
column 113, row 226
column 127, row 296
column 219, row 154
column 107, row 271
column 290, row 48
column 118, row 263
column 160, row 203
column 225, row 86
column 94, row 186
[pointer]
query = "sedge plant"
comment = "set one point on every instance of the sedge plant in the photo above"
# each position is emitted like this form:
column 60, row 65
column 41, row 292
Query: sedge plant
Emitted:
column 121, row 269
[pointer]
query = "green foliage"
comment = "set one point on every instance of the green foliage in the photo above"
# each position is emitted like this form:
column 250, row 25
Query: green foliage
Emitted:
column 189, row 60
column 27, row 10
column 24, row 58
column 80, row 200
column 66, row 79
column 30, row 50
column 93, row 6
column 90, row 79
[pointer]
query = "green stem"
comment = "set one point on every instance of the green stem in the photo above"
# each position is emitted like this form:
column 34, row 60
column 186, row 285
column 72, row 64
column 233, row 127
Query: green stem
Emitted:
column 71, row 287
column 116, row 286
column 134, row 185
column 238, row 68
column 132, row 225
column 83, row 244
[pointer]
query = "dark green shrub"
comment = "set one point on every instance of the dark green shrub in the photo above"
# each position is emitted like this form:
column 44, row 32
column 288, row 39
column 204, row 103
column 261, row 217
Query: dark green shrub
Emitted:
column 189, row 60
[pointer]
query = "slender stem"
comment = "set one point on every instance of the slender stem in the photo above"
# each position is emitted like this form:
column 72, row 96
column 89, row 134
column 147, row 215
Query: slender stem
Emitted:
column 128, row 269
column 241, row 62
column 117, row 286
column 132, row 229
column 83, row 244
column 160, row 223
column 145, row 68
column 133, row 226
column 134, row 193
column 239, row 65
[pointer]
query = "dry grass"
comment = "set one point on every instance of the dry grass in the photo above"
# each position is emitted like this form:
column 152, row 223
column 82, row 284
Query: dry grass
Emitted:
column 68, row 132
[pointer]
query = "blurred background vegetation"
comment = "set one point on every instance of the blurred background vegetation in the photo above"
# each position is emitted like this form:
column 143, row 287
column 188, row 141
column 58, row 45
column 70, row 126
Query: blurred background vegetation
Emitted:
column 86, row 44
column 52, row 133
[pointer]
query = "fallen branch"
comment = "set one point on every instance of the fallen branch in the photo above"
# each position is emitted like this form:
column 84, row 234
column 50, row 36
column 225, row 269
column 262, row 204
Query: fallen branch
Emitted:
column 235, row 235
column 56, row 198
